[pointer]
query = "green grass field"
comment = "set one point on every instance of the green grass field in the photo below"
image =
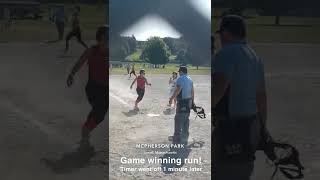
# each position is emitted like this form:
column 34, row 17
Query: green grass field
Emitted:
column 290, row 30
column 169, row 68
column 91, row 16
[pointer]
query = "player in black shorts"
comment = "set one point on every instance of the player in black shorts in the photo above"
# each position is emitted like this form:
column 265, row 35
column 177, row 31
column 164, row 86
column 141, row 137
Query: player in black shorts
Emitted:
column 141, row 82
column 76, row 31
column 97, row 87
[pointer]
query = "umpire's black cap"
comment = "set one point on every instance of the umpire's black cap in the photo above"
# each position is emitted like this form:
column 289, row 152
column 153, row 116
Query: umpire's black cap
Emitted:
column 183, row 69
column 233, row 24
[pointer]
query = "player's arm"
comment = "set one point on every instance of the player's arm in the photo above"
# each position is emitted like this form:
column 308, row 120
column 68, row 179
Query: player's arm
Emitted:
column 147, row 82
column 175, row 94
column 135, row 79
column 83, row 58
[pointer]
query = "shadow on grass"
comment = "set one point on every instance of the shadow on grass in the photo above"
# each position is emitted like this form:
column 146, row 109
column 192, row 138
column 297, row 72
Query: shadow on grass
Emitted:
column 70, row 161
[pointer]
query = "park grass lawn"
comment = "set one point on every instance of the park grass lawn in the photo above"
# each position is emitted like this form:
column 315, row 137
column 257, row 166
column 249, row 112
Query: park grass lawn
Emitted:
column 290, row 30
column 169, row 68
column 91, row 16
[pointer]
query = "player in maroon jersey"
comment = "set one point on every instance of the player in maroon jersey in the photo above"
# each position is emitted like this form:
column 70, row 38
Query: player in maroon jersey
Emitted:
column 141, row 82
column 97, row 87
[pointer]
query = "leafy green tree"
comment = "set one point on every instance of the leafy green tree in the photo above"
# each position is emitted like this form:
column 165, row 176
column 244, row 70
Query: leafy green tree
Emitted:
column 170, row 42
column 192, row 59
column 186, row 57
column 181, row 57
column 175, row 45
column 155, row 51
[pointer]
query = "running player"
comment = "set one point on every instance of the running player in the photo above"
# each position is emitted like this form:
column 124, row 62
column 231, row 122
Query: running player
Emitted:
column 133, row 71
column 76, row 31
column 172, row 86
column 97, row 86
column 141, row 82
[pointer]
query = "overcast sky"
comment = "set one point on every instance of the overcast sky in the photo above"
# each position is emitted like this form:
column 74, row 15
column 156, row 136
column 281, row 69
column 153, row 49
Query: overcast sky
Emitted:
column 153, row 25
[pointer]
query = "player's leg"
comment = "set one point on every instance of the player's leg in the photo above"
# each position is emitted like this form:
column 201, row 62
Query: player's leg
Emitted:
column 90, row 122
column 137, row 100
column 79, row 38
column 87, row 127
column 96, row 116
column 140, row 93
column 68, row 37
column 97, row 97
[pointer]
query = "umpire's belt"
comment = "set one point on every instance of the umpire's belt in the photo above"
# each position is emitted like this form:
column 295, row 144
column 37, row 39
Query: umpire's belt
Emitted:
column 184, row 105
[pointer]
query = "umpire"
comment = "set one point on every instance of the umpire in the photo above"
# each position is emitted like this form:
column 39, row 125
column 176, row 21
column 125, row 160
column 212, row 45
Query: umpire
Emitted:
column 59, row 18
column 184, row 93
column 239, row 102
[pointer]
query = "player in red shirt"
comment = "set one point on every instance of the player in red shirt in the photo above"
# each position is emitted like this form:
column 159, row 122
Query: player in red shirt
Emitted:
column 97, row 87
column 141, row 82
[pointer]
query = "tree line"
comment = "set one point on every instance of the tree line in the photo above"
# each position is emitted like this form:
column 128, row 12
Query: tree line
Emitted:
column 276, row 8
column 155, row 50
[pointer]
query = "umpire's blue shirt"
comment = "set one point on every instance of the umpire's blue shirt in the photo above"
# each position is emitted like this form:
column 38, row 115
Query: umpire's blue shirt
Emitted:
column 245, row 70
column 59, row 15
column 186, row 84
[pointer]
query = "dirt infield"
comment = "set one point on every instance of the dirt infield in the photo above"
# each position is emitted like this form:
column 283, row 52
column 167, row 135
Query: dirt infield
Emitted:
column 293, row 87
column 153, row 126
column 41, row 118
